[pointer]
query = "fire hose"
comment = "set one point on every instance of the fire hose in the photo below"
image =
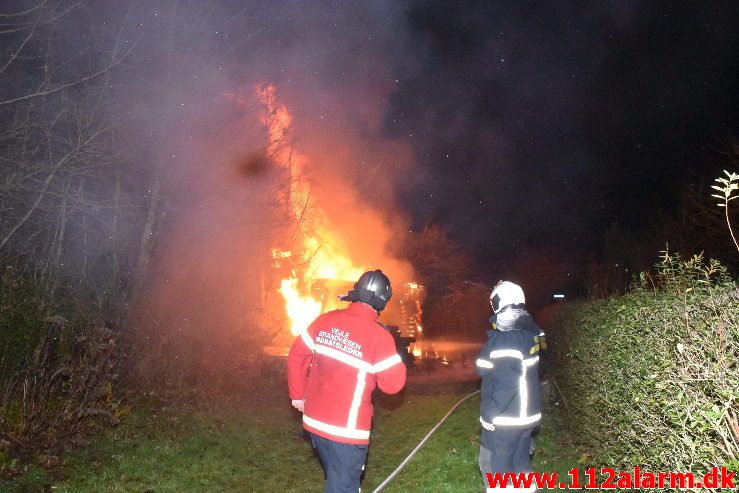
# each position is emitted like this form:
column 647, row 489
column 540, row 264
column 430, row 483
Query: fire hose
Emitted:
column 420, row 444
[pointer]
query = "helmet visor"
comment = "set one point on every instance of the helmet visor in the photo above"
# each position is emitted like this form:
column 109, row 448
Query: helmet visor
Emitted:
column 495, row 302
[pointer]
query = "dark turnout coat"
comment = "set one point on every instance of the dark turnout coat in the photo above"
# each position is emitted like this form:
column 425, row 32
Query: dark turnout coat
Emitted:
column 509, row 368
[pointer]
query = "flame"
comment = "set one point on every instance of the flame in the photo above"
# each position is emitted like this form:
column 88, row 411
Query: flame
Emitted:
column 320, row 252
column 300, row 309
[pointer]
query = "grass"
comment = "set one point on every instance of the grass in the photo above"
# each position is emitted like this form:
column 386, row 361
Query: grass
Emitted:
column 261, row 448
column 449, row 460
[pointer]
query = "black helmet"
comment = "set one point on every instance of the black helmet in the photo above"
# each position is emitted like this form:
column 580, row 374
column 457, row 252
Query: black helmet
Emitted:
column 372, row 287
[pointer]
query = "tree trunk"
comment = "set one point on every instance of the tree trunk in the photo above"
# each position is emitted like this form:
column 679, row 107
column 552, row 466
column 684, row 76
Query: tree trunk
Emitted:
column 85, row 249
column 147, row 236
column 62, row 228
column 113, row 239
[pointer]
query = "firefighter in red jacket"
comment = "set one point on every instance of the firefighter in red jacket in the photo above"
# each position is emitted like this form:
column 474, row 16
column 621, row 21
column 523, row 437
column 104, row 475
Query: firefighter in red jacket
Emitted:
column 332, row 369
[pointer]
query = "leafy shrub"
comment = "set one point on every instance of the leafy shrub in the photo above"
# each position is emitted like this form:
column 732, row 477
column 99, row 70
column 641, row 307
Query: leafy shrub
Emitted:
column 651, row 378
column 57, row 376
column 62, row 390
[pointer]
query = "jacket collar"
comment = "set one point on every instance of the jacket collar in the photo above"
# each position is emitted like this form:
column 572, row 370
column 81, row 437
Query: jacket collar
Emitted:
column 508, row 319
column 363, row 310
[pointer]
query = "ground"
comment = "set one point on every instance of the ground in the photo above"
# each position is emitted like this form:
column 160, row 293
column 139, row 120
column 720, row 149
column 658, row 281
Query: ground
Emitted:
column 235, row 447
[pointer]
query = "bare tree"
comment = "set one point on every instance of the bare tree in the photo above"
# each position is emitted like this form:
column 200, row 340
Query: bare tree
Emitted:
column 55, row 147
column 68, row 174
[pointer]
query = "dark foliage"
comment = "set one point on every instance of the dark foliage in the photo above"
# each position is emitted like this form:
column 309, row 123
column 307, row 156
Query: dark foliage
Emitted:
column 650, row 377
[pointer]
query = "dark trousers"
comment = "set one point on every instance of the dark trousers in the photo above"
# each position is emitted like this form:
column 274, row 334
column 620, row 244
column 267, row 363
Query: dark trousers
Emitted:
column 504, row 450
column 342, row 462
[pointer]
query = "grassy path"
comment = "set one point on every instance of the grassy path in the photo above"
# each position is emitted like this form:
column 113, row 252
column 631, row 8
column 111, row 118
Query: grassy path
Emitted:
column 263, row 450
column 448, row 461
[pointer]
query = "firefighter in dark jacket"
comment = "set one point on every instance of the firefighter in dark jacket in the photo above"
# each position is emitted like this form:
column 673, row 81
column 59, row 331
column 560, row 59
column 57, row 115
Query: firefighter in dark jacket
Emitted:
column 509, row 406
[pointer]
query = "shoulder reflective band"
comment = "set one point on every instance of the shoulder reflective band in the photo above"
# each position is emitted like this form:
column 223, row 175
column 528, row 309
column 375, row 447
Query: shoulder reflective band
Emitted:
column 307, row 340
column 356, row 362
column 343, row 357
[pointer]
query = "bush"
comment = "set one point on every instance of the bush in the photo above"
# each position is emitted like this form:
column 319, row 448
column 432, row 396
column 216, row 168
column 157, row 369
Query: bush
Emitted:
column 651, row 378
column 57, row 376
column 22, row 312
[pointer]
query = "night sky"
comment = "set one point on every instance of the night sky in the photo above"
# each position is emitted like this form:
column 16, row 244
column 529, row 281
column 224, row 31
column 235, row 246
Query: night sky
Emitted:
column 519, row 124
column 542, row 123
column 532, row 124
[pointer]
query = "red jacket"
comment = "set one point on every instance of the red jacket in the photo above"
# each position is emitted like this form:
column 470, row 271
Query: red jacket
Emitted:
column 335, row 365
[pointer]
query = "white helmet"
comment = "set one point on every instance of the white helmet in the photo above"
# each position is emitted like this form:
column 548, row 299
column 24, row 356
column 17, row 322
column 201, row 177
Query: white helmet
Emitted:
column 505, row 294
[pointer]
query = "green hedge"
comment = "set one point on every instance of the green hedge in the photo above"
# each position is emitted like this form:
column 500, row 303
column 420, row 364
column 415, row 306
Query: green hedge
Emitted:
column 651, row 378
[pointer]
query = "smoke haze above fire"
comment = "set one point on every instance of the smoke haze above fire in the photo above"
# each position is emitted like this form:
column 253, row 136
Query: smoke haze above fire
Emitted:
column 528, row 125
column 229, row 186
column 511, row 125
column 508, row 123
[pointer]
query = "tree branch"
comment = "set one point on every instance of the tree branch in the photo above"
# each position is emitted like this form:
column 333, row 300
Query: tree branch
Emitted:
column 70, row 84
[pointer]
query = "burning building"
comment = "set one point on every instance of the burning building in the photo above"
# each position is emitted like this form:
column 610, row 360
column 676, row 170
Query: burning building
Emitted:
column 315, row 260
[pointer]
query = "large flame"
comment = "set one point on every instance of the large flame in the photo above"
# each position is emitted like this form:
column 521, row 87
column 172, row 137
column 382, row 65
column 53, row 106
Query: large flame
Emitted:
column 319, row 251
column 300, row 309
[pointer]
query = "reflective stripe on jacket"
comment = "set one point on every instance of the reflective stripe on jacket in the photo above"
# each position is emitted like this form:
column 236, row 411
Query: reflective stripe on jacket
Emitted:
column 335, row 365
column 509, row 367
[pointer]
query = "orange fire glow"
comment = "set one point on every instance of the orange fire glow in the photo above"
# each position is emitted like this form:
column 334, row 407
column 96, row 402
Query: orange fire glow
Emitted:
column 318, row 250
